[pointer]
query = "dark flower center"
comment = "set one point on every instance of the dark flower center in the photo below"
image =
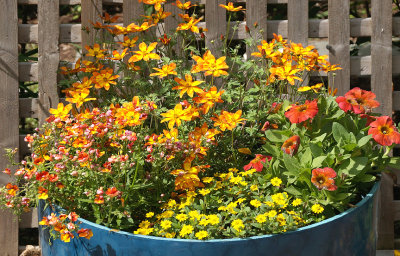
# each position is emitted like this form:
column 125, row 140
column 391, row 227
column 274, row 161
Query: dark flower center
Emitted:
column 384, row 130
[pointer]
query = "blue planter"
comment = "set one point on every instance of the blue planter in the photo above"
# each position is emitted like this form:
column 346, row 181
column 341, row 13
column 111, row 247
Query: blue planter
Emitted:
column 349, row 233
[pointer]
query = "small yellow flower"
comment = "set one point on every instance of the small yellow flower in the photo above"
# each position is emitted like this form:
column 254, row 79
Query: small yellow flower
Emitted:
column 237, row 225
column 191, row 194
column 269, row 203
column 261, row 218
column 144, row 224
column 272, row 214
column 276, row 182
column 149, row 214
column 194, row 215
column 208, row 179
column 233, row 170
column 317, row 208
column 186, row 230
column 171, row 203
column 253, row 187
column 255, row 203
column 165, row 224
column 170, row 235
column 204, row 192
column 181, row 217
column 201, row 234
column 213, row 219
column 297, row 202
column 203, row 222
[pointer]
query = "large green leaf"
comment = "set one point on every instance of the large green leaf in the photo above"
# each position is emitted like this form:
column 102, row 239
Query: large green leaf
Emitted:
column 353, row 166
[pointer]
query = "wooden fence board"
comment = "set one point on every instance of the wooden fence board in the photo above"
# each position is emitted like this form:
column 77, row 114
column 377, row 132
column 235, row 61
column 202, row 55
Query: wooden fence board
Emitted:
column 386, row 214
column 29, row 219
column 132, row 11
column 381, row 54
column 91, row 9
column 216, row 18
column 298, row 21
column 339, row 43
column 9, row 112
column 256, row 13
column 49, row 56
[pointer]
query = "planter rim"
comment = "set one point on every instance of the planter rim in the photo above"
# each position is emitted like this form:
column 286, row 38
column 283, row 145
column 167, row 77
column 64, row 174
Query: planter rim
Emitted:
column 367, row 197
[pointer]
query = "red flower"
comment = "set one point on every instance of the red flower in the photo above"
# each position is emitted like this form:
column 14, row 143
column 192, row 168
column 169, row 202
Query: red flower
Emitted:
column 323, row 178
column 291, row 145
column 257, row 163
column 357, row 100
column 384, row 132
column 301, row 113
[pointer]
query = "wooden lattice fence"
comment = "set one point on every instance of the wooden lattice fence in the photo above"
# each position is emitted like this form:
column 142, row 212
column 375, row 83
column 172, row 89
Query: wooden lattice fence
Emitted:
column 48, row 33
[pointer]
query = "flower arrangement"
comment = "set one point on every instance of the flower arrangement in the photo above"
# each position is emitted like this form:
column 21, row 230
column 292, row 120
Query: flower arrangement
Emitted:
column 162, row 138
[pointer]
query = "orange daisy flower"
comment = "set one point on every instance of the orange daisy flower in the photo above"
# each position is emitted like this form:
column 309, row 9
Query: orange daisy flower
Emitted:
column 323, row 178
column 85, row 232
column 384, row 132
column 165, row 70
column 145, row 53
column 301, row 113
column 189, row 86
column 291, row 145
column 231, row 8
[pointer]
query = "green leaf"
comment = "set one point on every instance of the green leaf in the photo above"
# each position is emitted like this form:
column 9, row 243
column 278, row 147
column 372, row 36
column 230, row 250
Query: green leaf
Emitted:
column 293, row 191
column 306, row 157
column 273, row 150
column 277, row 136
column 317, row 162
column 364, row 140
column 394, row 162
column 339, row 132
column 291, row 164
column 350, row 147
column 319, row 138
column 354, row 166
column 316, row 150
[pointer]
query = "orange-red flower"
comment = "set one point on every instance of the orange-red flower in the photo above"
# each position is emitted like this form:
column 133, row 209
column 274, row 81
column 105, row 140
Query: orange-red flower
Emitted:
column 357, row 100
column 165, row 70
column 291, row 145
column 12, row 189
column 85, row 232
column 323, row 178
column 257, row 163
column 384, row 132
column 301, row 113
column 113, row 192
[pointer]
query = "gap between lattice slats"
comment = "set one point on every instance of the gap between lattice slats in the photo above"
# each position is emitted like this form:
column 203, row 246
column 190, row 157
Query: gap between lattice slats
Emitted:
column 339, row 43
column 9, row 120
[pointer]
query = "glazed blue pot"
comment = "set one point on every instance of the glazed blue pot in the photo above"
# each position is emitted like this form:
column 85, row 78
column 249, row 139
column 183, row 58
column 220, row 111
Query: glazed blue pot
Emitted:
column 350, row 233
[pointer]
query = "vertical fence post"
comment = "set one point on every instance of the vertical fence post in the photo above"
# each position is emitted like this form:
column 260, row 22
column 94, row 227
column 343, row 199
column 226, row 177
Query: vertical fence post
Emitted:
column 9, row 121
column 49, row 56
column 339, row 46
column 298, row 21
column 381, row 85
column 171, row 23
column 91, row 9
column 216, row 25
column 256, row 13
